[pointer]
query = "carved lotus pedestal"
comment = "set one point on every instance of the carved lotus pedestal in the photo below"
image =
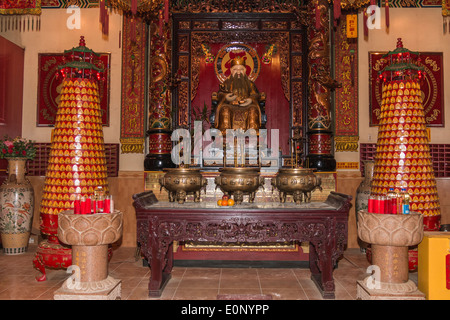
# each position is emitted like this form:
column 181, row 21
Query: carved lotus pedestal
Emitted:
column 390, row 235
column 89, row 235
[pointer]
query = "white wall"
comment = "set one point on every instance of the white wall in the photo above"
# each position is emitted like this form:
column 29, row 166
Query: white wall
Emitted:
column 55, row 36
column 420, row 30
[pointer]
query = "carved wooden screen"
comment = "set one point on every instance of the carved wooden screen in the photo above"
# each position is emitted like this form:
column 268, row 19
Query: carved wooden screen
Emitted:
column 198, row 38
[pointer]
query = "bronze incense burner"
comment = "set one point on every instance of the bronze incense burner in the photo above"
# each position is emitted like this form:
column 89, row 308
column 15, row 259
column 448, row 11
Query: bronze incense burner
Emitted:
column 179, row 182
column 299, row 182
column 239, row 181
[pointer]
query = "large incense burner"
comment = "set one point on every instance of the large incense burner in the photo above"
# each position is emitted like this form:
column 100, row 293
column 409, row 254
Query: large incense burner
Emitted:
column 296, row 181
column 180, row 182
column 239, row 181
column 299, row 182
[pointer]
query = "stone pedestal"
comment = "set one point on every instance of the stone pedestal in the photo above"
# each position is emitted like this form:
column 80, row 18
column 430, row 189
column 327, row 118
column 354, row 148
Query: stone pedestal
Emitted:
column 89, row 235
column 390, row 236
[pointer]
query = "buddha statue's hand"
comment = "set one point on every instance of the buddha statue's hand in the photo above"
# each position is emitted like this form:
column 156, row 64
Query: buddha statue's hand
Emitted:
column 230, row 97
column 245, row 102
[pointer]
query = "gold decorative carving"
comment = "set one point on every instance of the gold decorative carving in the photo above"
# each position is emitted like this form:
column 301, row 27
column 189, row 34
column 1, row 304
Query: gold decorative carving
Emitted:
column 275, row 25
column 297, row 104
column 183, row 66
column 159, row 111
column 249, row 25
column 297, row 67
column 235, row 6
column 130, row 145
column 159, row 68
column 344, row 143
column 183, row 43
column 183, row 106
column 354, row 4
column 320, row 81
column 206, row 24
column 299, row 24
column 297, row 43
column 185, row 25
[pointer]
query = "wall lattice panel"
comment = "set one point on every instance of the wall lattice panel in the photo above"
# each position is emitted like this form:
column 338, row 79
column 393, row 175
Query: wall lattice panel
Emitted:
column 38, row 166
column 440, row 156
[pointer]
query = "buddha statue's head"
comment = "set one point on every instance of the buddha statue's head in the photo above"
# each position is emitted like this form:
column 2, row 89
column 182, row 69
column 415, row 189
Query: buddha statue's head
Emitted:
column 238, row 67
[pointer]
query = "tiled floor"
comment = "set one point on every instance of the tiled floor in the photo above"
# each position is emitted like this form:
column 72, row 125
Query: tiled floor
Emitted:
column 17, row 279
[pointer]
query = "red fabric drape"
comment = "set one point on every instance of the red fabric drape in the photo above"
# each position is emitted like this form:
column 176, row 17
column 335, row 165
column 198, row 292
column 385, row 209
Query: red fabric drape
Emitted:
column 336, row 11
column 386, row 8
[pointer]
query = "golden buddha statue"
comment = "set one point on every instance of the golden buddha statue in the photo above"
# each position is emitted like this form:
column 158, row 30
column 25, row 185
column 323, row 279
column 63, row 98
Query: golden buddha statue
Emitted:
column 238, row 101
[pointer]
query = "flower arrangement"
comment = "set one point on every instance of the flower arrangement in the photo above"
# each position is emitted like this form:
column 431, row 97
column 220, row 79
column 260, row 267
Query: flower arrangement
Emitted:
column 17, row 148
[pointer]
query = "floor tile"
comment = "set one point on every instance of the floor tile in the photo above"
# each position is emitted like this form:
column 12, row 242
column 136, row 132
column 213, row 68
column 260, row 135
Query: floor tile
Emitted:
column 190, row 293
column 18, row 279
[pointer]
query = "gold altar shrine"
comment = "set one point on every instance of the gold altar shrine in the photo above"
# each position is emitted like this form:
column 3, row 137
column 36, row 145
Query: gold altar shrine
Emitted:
column 195, row 76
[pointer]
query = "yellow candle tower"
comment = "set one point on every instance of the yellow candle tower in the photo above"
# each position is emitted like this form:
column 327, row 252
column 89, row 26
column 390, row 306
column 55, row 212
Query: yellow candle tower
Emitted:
column 77, row 164
column 403, row 158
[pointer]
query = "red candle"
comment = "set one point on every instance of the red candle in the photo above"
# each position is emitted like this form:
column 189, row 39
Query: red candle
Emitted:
column 88, row 206
column 394, row 205
column 77, row 206
column 371, row 204
column 376, row 207
column 386, row 205
column 83, row 205
column 107, row 208
column 381, row 208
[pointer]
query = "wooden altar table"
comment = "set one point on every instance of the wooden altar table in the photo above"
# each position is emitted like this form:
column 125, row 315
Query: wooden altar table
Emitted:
column 323, row 224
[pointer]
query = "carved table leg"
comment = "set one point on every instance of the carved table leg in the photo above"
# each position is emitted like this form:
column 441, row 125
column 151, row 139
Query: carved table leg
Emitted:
column 169, row 263
column 160, row 273
column 321, row 266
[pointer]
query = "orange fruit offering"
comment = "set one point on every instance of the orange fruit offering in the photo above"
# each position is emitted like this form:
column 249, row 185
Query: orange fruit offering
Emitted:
column 230, row 202
column 219, row 202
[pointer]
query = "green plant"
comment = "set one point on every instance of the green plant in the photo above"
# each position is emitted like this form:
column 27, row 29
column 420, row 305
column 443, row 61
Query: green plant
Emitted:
column 201, row 115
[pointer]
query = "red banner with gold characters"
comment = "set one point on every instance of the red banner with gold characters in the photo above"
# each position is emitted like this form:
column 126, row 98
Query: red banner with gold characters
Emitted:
column 432, row 87
column 346, row 130
column 132, row 131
